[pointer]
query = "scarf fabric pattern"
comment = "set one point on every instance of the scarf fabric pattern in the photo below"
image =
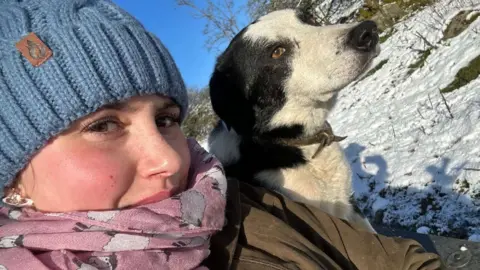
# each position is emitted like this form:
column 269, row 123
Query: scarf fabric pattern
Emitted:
column 170, row 234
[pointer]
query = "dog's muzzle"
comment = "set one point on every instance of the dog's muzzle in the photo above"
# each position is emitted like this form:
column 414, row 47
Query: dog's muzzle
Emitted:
column 364, row 37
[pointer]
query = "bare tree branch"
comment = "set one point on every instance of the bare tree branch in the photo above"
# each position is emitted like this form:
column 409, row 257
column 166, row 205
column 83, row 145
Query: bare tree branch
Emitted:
column 221, row 20
column 321, row 10
column 221, row 16
column 446, row 104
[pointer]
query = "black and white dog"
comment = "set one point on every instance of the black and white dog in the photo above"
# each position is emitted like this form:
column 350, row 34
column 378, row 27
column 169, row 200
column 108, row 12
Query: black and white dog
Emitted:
column 273, row 88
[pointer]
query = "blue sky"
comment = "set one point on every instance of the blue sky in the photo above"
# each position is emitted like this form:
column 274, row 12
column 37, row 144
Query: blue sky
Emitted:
column 180, row 33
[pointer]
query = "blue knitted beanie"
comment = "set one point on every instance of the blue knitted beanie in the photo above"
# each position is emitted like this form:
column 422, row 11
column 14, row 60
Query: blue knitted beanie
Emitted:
column 61, row 60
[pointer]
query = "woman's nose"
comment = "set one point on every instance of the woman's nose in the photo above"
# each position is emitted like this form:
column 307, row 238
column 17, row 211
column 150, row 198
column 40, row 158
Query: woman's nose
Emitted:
column 157, row 156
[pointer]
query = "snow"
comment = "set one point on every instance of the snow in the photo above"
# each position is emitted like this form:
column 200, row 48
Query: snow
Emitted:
column 471, row 14
column 380, row 204
column 409, row 157
column 340, row 8
column 423, row 230
column 474, row 238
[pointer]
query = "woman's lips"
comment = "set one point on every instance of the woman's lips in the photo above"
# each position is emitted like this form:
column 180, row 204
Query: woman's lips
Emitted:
column 160, row 196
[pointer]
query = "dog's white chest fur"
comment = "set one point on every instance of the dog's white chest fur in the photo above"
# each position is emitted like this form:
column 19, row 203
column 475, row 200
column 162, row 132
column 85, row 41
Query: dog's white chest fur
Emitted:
column 323, row 181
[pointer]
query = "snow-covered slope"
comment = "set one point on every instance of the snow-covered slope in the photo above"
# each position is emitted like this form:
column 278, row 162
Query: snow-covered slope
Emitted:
column 414, row 165
column 335, row 9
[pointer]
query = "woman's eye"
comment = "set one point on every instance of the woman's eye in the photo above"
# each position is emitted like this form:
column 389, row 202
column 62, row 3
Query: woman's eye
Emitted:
column 103, row 126
column 166, row 121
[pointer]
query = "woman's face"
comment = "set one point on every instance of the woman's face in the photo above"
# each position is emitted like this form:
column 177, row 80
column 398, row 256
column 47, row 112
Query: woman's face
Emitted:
column 123, row 155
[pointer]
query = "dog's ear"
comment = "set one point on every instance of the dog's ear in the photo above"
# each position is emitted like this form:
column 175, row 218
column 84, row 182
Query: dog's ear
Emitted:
column 229, row 96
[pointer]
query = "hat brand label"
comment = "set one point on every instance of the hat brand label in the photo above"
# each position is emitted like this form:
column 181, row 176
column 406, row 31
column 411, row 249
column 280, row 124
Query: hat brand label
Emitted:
column 34, row 50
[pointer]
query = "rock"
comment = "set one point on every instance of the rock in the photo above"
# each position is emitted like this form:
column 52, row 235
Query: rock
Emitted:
column 393, row 10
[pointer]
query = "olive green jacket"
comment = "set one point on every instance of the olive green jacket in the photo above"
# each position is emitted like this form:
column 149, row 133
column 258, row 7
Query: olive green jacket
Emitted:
column 265, row 230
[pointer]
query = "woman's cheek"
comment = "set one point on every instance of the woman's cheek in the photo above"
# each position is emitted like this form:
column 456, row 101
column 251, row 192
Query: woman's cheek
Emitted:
column 91, row 178
column 106, row 177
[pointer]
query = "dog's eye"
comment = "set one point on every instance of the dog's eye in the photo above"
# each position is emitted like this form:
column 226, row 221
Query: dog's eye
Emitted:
column 279, row 51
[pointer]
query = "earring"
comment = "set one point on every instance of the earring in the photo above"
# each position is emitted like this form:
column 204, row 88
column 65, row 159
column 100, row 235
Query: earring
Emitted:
column 15, row 199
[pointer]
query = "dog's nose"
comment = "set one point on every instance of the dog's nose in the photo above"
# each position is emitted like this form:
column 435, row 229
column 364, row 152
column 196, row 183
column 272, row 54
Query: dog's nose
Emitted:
column 364, row 37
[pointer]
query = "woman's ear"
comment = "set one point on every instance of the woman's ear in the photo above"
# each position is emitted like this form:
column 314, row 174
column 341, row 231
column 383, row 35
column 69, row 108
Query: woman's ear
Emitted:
column 20, row 183
column 16, row 194
column 21, row 189
column 15, row 187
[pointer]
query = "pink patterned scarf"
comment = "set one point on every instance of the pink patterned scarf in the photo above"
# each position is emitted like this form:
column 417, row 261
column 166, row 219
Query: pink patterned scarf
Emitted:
column 171, row 234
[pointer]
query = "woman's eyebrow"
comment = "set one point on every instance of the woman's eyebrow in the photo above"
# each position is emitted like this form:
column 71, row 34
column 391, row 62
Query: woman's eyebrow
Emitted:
column 124, row 106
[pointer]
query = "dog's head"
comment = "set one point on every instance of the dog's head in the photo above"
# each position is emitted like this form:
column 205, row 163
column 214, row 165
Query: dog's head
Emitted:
column 279, row 77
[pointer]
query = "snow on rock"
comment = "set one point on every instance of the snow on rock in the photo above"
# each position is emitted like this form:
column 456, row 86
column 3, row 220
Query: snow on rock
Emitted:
column 471, row 14
column 380, row 204
column 403, row 145
column 423, row 230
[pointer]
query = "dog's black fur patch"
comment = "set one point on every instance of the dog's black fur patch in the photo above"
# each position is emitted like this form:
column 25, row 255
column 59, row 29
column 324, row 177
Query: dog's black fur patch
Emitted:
column 246, row 87
column 257, row 157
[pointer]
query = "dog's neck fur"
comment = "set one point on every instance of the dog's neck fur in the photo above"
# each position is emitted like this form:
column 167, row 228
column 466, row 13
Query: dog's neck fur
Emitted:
column 320, row 139
column 239, row 153
column 311, row 114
